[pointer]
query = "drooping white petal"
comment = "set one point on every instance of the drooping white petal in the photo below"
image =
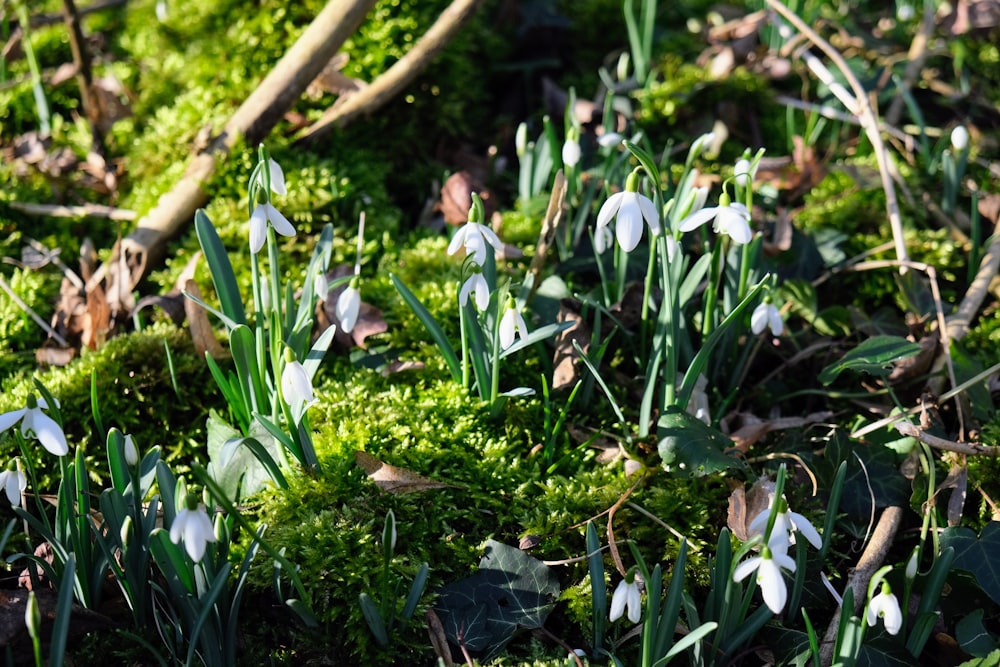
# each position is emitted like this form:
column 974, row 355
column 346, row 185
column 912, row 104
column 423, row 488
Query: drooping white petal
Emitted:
column 39, row 425
column 195, row 528
column 458, row 240
column 802, row 525
column 628, row 227
column 609, row 139
column 476, row 247
column 490, row 237
column 772, row 585
column 698, row 218
column 8, row 419
column 476, row 284
column 774, row 320
column 746, row 567
column 759, row 319
column 618, row 600
column 347, row 308
column 604, row 238
column 959, row 138
column 609, row 209
column 511, row 325
column 279, row 222
column 295, row 385
column 649, row 212
column 733, row 221
column 277, row 178
column 571, row 153
column 634, row 603
column 13, row 483
column 258, row 228
column 742, row 172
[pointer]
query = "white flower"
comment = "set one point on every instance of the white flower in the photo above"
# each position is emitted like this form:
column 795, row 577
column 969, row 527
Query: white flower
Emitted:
column 475, row 283
column 604, row 238
column 321, row 286
column 36, row 424
column 731, row 219
column 277, row 178
column 131, row 453
column 629, row 209
column 626, row 595
column 296, row 386
column 609, row 140
column 743, row 173
column 261, row 216
column 474, row 236
column 571, row 153
column 785, row 523
column 13, row 483
column 885, row 606
column 195, row 528
column 959, row 138
column 772, row 584
column 347, row 308
column 766, row 315
column 511, row 326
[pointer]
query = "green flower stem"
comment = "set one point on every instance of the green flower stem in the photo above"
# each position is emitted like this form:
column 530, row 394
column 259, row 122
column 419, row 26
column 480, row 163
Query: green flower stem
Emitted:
column 712, row 292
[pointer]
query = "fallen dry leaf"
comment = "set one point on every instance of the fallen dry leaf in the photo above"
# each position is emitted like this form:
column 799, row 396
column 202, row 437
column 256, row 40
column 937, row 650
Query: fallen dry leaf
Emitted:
column 370, row 321
column 202, row 334
column 391, row 479
column 566, row 369
column 744, row 506
column 754, row 428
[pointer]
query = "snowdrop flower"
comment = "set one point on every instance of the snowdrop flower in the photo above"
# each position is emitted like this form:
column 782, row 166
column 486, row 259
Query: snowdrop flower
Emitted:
column 885, row 606
column 629, row 209
column 262, row 215
column 348, row 306
column 604, row 238
column 571, row 149
column 772, row 583
column 131, row 452
column 13, row 482
column 277, row 178
column 626, row 595
column 321, row 286
column 36, row 424
column 511, row 325
column 959, row 138
column 766, row 315
column 731, row 219
column 743, row 173
column 474, row 237
column 194, row 527
column 475, row 284
column 296, row 387
column 785, row 524
column 609, row 140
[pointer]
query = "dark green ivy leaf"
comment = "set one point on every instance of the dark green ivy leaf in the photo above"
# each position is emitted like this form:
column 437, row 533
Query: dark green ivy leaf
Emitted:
column 689, row 447
column 510, row 591
column 979, row 556
column 875, row 356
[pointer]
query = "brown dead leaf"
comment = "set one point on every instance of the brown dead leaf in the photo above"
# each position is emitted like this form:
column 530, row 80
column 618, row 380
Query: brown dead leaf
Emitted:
column 554, row 215
column 370, row 321
column 744, row 506
column 918, row 365
column 391, row 479
column 456, row 197
column 202, row 334
column 331, row 80
column 796, row 174
column 399, row 366
column 754, row 428
column 566, row 371
column 439, row 641
column 780, row 238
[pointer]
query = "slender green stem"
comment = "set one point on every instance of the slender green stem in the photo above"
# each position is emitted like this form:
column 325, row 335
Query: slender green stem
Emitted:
column 712, row 292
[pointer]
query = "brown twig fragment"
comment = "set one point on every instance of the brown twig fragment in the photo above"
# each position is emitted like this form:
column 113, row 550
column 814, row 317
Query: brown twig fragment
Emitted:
column 967, row 448
column 393, row 80
column 871, row 560
column 861, row 106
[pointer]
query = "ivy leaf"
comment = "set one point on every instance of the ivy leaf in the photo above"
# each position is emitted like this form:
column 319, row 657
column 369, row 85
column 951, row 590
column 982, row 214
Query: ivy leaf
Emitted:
column 510, row 591
column 977, row 556
column 692, row 448
column 874, row 356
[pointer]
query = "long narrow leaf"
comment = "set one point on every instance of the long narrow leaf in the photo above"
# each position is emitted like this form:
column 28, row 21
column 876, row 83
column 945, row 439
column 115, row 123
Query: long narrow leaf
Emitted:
column 416, row 590
column 60, row 627
column 223, row 276
column 208, row 610
column 433, row 328
column 243, row 346
column 598, row 588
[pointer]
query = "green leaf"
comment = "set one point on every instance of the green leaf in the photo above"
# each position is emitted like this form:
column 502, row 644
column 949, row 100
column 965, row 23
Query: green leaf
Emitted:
column 689, row 447
column 222, row 270
column 433, row 328
column 973, row 636
column 980, row 556
column 992, row 660
column 874, row 356
column 511, row 590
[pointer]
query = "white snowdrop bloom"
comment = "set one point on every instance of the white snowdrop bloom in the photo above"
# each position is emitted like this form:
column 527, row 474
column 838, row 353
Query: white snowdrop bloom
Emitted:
column 296, row 386
column 348, row 307
column 885, row 606
column 512, row 326
column 263, row 215
column 626, row 595
column 474, row 237
column 764, row 316
column 571, row 152
column 730, row 219
column 769, row 577
column 195, row 528
column 13, row 482
column 475, row 284
column 959, row 138
column 628, row 209
column 38, row 425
